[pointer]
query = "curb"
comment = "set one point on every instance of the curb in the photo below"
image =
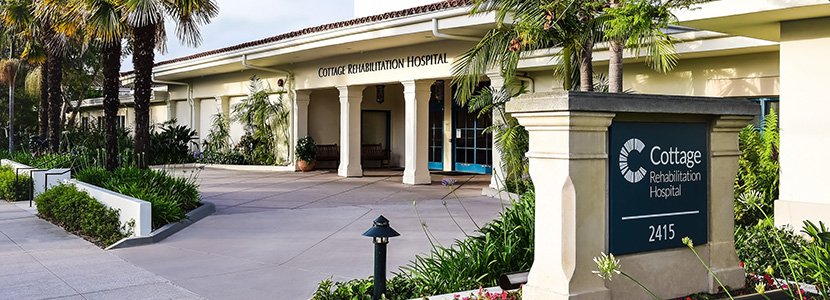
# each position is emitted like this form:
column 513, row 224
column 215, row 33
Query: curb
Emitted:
column 502, row 195
column 260, row 168
column 166, row 231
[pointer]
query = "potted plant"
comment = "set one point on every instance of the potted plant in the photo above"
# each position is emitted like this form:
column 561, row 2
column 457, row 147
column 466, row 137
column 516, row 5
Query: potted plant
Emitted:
column 306, row 154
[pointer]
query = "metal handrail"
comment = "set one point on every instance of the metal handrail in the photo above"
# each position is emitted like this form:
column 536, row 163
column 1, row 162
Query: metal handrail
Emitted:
column 46, row 178
column 31, row 185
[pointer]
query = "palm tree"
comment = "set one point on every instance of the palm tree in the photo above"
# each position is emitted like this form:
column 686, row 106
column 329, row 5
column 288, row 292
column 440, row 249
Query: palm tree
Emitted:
column 570, row 25
column 17, row 21
column 146, row 17
column 9, row 69
column 56, row 27
column 103, row 23
column 639, row 25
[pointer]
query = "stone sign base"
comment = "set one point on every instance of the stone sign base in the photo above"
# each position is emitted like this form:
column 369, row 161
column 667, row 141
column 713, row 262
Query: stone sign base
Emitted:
column 571, row 166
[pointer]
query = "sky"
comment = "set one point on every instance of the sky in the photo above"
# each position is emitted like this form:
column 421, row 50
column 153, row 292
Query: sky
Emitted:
column 240, row 21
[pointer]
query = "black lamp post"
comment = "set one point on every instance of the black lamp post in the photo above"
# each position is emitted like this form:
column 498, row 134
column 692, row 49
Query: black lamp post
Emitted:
column 380, row 234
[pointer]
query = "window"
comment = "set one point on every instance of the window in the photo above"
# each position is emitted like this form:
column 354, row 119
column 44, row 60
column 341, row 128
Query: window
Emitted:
column 768, row 105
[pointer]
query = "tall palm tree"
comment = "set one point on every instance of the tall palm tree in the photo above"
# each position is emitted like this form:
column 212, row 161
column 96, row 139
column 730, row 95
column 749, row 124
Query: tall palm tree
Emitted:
column 639, row 26
column 17, row 21
column 57, row 28
column 146, row 18
column 103, row 23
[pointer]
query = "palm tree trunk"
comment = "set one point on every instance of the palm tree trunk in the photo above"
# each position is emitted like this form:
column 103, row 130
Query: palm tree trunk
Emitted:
column 586, row 68
column 111, row 62
column 615, row 64
column 55, row 100
column 567, row 82
column 11, row 118
column 144, row 44
column 615, row 67
column 43, row 129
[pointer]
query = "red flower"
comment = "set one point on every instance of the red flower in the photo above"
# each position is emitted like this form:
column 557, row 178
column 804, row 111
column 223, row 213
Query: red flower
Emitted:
column 742, row 264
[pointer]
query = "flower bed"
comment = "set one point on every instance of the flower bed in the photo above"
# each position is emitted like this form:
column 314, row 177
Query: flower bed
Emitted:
column 171, row 197
column 78, row 213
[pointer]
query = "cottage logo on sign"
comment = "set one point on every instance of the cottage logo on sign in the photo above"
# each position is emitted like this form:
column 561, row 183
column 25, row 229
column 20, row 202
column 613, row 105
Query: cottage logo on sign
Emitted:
column 680, row 164
column 632, row 145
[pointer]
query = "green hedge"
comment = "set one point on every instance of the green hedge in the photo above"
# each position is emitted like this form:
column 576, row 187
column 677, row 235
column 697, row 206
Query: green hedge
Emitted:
column 171, row 197
column 80, row 214
column 11, row 189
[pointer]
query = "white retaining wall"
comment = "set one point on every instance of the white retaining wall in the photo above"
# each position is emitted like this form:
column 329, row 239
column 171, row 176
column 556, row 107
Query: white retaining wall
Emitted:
column 130, row 209
column 39, row 177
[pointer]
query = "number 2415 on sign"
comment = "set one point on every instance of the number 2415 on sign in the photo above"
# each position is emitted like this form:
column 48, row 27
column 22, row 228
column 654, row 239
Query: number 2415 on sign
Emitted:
column 663, row 232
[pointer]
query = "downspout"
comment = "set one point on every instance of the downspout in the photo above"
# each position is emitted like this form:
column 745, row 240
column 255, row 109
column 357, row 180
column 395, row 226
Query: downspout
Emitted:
column 440, row 35
column 189, row 96
column 531, row 85
column 289, row 82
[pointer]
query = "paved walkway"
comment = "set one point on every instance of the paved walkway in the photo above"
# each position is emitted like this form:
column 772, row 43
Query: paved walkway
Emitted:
column 277, row 235
column 39, row 260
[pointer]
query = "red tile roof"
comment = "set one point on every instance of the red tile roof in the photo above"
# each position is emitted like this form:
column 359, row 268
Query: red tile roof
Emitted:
column 443, row 5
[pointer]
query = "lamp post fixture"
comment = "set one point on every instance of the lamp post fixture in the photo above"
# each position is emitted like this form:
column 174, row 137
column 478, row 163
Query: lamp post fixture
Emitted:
column 380, row 234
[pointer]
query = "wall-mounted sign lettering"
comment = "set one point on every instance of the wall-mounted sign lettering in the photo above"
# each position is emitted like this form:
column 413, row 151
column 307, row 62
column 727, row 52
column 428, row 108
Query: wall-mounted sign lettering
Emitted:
column 413, row 61
column 658, row 185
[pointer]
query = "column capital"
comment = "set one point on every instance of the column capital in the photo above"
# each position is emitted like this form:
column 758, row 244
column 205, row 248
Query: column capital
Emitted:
column 353, row 93
column 302, row 95
column 413, row 86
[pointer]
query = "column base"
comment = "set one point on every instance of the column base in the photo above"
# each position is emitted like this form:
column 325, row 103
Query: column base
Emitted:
column 419, row 178
column 350, row 171
column 794, row 213
column 532, row 292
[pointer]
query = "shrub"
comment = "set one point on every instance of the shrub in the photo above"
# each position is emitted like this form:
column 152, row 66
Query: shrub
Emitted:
column 82, row 215
column 759, row 249
column 503, row 245
column 814, row 257
column 12, row 186
column 171, row 197
column 306, row 149
column 170, row 144
column 757, row 171
column 397, row 288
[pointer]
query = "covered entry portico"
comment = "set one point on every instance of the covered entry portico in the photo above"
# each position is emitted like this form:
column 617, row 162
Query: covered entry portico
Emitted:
column 335, row 115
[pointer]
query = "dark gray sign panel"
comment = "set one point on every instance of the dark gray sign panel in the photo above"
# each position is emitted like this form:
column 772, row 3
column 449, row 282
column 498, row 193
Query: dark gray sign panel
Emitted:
column 658, row 185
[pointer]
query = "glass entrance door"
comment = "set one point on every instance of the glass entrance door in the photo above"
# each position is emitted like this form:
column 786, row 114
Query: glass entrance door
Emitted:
column 436, row 129
column 473, row 146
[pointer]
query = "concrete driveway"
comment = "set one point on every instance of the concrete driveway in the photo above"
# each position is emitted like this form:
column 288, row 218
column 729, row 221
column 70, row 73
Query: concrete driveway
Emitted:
column 277, row 235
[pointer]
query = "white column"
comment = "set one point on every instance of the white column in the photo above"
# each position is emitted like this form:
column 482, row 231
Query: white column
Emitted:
column 196, row 117
column 350, row 99
column 499, row 173
column 416, row 98
column 300, row 126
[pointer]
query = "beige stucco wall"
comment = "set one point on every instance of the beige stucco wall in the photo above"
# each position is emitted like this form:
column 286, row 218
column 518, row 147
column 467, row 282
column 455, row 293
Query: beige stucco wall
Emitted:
column 803, row 119
column 324, row 116
column 158, row 113
column 308, row 77
column 725, row 76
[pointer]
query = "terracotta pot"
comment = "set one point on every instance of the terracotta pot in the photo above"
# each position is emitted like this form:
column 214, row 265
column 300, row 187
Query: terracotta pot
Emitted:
column 305, row 166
